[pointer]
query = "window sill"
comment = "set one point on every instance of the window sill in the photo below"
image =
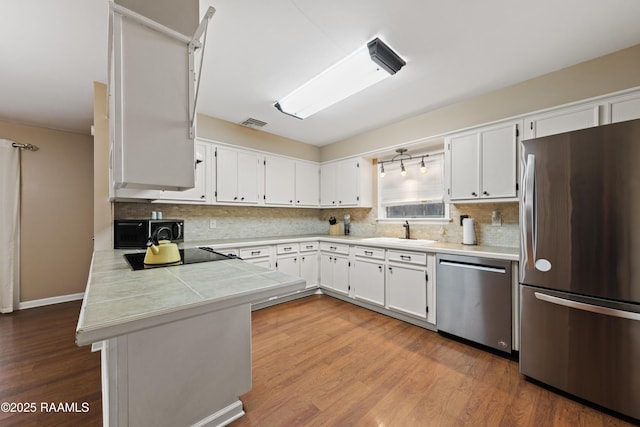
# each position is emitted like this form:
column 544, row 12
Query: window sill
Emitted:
column 414, row 220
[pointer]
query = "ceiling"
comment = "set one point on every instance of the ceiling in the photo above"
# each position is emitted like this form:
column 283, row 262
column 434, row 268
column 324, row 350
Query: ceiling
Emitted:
column 259, row 51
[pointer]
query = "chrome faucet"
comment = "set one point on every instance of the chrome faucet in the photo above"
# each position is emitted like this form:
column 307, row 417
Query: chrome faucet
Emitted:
column 407, row 231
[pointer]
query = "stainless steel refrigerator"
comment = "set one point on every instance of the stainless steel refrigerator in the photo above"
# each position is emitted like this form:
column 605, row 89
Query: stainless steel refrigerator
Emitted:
column 580, row 264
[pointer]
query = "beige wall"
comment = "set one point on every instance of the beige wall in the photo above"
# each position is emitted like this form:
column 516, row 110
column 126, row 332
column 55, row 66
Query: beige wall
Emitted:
column 607, row 74
column 235, row 134
column 56, row 211
column 102, row 207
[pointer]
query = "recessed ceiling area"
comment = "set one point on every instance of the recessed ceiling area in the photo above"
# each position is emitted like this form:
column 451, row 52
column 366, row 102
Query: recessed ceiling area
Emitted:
column 259, row 51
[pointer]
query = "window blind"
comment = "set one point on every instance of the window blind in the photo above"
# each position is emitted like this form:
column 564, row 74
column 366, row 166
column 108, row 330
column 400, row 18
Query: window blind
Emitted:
column 415, row 187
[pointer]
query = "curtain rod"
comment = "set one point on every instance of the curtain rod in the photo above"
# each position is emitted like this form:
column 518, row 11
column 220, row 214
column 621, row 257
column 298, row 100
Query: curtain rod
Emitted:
column 29, row 147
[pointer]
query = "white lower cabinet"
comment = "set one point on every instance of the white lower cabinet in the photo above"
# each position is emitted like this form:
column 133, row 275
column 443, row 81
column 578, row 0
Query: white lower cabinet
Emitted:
column 367, row 275
column 367, row 281
column 258, row 255
column 287, row 259
column 334, row 272
column 309, row 263
column 409, row 290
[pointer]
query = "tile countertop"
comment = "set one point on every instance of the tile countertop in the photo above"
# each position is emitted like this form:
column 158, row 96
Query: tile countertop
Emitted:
column 494, row 252
column 119, row 300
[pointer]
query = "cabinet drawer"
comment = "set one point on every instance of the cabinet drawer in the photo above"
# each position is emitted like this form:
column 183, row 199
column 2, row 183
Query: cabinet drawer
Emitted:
column 366, row 252
column 334, row 247
column 308, row 246
column 286, row 248
column 228, row 251
column 261, row 251
column 418, row 258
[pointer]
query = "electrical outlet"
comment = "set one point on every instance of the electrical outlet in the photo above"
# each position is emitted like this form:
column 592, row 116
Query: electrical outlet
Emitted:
column 212, row 223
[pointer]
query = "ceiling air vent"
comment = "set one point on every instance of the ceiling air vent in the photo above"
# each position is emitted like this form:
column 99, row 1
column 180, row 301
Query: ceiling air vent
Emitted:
column 253, row 123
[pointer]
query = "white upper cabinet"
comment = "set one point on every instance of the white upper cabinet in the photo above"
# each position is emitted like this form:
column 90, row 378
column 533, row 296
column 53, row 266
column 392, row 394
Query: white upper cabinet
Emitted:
column 561, row 120
column 237, row 176
column 279, row 181
column 149, row 108
column 307, row 184
column 483, row 164
column 346, row 183
column 623, row 108
column 200, row 193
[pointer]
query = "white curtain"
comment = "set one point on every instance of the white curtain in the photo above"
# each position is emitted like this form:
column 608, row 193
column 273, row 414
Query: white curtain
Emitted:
column 9, row 223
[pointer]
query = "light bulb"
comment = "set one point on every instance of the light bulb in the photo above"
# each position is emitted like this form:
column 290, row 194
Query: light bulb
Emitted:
column 382, row 174
column 423, row 168
column 403, row 171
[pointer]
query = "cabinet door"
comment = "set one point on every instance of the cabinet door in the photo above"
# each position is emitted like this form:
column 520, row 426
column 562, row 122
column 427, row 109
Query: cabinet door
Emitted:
column 341, row 274
column 288, row 264
column 328, row 184
column 248, row 166
column 348, row 182
column 624, row 108
column 279, row 180
column 499, row 176
column 226, row 175
column 368, row 281
column 465, row 166
column 309, row 268
column 407, row 290
column 150, row 126
column 326, row 270
column 561, row 121
column 307, row 184
column 199, row 192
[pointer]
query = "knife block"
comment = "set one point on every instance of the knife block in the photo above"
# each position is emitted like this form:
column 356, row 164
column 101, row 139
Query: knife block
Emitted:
column 335, row 230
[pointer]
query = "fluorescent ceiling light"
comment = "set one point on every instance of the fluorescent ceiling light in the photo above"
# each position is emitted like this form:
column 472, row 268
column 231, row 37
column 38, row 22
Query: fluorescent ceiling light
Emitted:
column 363, row 68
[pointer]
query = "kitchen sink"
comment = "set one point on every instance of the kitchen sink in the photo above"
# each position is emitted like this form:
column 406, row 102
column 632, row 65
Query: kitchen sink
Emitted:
column 398, row 241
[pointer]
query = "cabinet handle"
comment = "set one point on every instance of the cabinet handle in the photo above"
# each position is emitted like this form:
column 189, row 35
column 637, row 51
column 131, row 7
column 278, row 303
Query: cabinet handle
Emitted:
column 369, row 253
column 255, row 252
column 405, row 257
column 303, row 258
column 235, row 198
column 390, row 270
column 485, row 193
column 290, row 201
column 241, row 198
column 309, row 246
column 330, row 258
column 202, row 197
column 298, row 201
column 474, row 194
column 295, row 259
column 333, row 248
column 379, row 268
column 287, row 249
column 340, row 202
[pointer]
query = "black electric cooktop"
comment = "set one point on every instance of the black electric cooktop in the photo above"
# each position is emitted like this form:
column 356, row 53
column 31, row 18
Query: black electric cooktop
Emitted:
column 187, row 256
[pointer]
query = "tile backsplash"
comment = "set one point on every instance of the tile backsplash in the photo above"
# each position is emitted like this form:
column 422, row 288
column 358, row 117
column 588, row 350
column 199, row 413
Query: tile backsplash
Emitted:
column 248, row 222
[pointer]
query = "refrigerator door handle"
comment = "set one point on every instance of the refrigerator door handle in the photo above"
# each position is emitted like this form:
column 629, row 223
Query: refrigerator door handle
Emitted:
column 588, row 307
column 529, row 213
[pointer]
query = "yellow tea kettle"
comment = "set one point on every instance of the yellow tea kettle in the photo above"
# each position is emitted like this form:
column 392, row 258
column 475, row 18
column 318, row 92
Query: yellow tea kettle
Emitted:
column 161, row 252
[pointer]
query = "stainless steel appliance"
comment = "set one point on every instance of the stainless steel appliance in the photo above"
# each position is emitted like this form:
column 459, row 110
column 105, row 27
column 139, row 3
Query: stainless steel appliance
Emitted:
column 473, row 298
column 134, row 233
column 580, row 264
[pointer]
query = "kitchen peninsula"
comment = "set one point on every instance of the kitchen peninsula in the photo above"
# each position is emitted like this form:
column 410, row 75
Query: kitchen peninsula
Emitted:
column 176, row 341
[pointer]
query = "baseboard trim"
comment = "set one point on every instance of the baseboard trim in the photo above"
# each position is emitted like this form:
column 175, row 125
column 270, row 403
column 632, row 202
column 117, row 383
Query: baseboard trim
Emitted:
column 50, row 301
column 223, row 417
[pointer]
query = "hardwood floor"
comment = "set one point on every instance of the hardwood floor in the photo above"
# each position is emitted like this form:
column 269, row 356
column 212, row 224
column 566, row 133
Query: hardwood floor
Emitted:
column 40, row 364
column 317, row 361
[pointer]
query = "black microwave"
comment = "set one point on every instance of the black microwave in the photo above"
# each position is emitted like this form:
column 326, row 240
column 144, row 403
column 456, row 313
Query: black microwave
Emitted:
column 134, row 233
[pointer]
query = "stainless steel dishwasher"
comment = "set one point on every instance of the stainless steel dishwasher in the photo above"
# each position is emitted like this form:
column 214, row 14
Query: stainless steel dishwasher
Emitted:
column 473, row 299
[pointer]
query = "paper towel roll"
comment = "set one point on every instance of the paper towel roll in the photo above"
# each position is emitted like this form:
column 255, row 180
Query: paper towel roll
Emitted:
column 468, row 231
